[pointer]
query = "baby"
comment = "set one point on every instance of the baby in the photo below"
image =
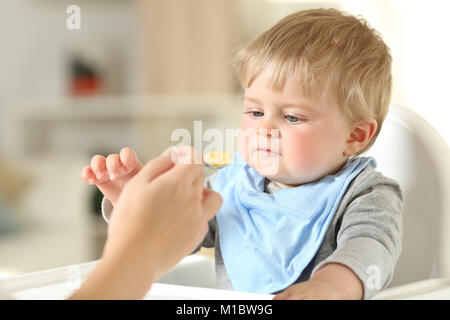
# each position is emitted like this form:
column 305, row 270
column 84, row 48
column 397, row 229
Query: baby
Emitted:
column 324, row 224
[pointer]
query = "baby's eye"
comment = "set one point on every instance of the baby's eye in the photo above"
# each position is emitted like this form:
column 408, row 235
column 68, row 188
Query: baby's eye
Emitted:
column 257, row 114
column 292, row 119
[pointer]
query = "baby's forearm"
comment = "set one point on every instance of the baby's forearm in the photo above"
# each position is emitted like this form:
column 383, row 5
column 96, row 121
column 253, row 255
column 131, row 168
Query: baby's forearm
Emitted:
column 344, row 280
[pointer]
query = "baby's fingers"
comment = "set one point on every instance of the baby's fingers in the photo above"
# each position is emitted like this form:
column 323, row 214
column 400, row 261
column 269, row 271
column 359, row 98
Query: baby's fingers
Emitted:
column 88, row 175
column 115, row 167
column 129, row 159
column 98, row 166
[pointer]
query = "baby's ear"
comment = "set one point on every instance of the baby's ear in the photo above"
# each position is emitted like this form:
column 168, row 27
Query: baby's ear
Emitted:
column 359, row 137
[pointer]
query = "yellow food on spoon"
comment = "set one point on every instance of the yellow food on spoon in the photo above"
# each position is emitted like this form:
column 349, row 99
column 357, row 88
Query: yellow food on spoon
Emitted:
column 218, row 159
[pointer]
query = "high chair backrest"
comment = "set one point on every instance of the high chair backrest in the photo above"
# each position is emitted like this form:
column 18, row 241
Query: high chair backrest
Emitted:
column 411, row 151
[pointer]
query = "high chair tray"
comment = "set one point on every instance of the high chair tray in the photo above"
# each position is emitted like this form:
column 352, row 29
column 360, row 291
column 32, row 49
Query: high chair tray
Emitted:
column 431, row 289
column 60, row 283
column 188, row 280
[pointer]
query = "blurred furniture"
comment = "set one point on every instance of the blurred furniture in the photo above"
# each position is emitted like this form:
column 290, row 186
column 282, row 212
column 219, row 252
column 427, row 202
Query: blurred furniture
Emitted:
column 13, row 184
column 86, row 126
column 54, row 226
column 411, row 151
column 186, row 46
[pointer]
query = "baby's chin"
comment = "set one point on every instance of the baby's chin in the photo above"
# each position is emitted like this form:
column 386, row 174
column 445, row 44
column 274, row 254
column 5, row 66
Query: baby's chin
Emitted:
column 271, row 167
column 275, row 174
column 267, row 169
column 282, row 178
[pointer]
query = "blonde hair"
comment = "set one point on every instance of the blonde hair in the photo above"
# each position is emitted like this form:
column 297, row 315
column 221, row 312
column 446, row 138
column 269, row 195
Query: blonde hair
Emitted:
column 326, row 51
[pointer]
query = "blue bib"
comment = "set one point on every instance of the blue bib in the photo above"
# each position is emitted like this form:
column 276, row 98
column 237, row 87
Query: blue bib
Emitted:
column 267, row 240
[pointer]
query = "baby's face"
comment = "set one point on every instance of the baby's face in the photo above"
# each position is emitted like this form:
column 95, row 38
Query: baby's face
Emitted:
column 311, row 136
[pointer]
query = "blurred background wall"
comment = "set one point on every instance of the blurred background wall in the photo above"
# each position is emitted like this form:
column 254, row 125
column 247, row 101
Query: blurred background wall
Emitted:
column 134, row 72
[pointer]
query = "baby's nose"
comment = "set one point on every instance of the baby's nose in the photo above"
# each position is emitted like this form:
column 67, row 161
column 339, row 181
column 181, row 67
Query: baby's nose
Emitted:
column 268, row 126
column 269, row 132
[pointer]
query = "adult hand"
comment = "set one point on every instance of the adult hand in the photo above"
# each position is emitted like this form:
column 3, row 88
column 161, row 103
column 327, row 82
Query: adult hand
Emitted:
column 161, row 216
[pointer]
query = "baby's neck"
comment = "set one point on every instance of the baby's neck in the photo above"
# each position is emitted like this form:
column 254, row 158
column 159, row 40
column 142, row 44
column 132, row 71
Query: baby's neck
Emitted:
column 284, row 186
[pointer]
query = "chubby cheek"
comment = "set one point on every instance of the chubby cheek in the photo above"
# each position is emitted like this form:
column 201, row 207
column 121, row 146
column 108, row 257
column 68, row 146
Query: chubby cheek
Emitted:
column 301, row 154
column 308, row 155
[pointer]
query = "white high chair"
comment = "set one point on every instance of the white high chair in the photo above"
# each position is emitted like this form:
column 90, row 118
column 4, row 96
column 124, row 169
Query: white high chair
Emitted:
column 411, row 151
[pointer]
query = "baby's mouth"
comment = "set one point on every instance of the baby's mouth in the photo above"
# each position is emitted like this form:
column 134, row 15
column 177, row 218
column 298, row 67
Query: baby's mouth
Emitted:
column 265, row 160
column 266, row 150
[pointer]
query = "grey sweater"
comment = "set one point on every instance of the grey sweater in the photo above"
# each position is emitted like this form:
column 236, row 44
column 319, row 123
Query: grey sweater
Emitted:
column 364, row 235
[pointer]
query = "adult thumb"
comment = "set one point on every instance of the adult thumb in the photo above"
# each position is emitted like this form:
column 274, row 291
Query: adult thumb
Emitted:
column 156, row 167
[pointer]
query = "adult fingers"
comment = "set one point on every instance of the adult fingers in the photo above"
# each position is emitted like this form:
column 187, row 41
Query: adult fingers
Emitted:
column 189, row 164
column 184, row 162
column 187, row 155
column 169, row 151
column 155, row 167
column 198, row 184
column 204, row 228
column 211, row 203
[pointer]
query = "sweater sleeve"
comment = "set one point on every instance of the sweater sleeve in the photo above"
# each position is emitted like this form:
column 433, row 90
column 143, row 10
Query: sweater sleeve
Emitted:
column 107, row 209
column 370, row 235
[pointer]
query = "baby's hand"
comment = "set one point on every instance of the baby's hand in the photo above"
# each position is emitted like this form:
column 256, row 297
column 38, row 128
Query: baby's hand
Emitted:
column 309, row 290
column 112, row 174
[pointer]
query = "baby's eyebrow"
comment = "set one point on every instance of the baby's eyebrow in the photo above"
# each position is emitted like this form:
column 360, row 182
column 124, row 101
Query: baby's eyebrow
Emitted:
column 284, row 105
column 251, row 99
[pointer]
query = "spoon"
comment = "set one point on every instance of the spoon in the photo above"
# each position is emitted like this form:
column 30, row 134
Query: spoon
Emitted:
column 217, row 159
